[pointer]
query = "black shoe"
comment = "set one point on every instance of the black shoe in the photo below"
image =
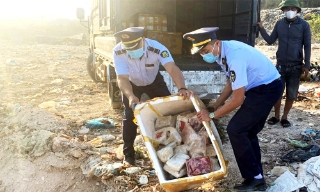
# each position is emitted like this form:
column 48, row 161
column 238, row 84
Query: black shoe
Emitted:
column 129, row 160
column 253, row 185
column 245, row 182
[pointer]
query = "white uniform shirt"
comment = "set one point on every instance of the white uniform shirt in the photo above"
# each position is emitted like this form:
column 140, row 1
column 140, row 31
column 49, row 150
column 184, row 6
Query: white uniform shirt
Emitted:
column 245, row 65
column 142, row 72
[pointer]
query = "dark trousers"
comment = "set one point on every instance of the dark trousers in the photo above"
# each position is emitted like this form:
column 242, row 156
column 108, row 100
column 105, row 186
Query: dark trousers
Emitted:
column 129, row 129
column 248, row 121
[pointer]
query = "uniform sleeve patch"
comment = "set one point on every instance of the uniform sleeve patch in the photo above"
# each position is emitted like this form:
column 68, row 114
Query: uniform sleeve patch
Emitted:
column 232, row 76
column 164, row 54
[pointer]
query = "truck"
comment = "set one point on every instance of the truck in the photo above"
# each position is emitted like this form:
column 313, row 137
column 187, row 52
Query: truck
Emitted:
column 166, row 21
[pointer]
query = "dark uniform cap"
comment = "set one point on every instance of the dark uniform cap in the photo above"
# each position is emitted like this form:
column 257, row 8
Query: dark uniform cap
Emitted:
column 201, row 37
column 130, row 37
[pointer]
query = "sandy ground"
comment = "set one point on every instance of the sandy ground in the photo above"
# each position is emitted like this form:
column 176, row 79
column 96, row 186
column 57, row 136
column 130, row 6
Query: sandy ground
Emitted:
column 46, row 94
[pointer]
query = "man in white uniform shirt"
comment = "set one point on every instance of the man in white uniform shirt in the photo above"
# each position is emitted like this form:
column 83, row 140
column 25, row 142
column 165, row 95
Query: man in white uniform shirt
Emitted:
column 256, row 86
column 137, row 61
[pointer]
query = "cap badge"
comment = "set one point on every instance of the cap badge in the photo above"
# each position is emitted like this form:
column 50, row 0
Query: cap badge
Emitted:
column 125, row 36
column 190, row 38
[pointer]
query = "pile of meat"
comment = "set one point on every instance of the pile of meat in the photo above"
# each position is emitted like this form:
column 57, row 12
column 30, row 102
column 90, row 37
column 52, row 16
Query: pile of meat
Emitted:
column 185, row 148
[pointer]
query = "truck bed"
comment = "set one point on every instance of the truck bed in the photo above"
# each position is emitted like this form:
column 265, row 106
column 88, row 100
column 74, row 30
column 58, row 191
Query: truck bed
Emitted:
column 193, row 63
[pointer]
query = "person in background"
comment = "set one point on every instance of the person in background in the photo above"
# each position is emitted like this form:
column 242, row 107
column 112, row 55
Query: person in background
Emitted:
column 256, row 86
column 136, row 61
column 293, row 34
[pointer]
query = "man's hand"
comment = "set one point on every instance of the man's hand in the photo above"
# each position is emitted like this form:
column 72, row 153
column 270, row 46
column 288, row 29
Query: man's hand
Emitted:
column 212, row 107
column 305, row 71
column 185, row 93
column 133, row 100
column 203, row 115
column 260, row 24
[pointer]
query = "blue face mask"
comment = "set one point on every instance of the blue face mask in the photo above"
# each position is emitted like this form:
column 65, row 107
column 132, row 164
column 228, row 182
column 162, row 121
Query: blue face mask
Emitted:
column 135, row 54
column 209, row 57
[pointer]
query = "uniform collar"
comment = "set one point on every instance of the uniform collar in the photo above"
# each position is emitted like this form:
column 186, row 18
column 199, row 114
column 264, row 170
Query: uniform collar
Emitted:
column 145, row 50
column 222, row 54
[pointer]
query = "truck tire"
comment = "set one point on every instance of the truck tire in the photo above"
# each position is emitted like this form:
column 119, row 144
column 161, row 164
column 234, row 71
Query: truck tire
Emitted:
column 111, row 92
column 91, row 68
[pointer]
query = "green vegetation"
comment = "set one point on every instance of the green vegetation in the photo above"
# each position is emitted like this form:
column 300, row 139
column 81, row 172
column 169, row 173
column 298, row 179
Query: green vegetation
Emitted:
column 315, row 26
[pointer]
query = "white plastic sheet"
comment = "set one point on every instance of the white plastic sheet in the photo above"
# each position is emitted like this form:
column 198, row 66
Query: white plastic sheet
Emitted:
column 285, row 183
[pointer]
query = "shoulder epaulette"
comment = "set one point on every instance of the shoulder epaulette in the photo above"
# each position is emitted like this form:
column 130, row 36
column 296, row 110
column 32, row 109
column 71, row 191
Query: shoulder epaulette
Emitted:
column 120, row 52
column 152, row 49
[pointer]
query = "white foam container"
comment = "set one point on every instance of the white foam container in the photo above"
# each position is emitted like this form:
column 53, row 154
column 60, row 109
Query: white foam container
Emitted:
column 146, row 115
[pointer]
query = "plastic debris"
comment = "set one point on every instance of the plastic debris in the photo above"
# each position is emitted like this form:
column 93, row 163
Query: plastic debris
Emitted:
column 84, row 130
column 297, row 143
column 90, row 164
column 286, row 182
column 308, row 174
column 57, row 81
column 132, row 170
column 100, row 123
column 302, row 89
column 107, row 137
column 301, row 155
column 152, row 172
column 317, row 92
column 104, row 150
column 96, row 142
column 279, row 170
column 310, row 134
column 143, row 179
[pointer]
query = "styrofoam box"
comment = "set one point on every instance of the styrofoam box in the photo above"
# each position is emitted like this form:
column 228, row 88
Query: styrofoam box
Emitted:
column 146, row 114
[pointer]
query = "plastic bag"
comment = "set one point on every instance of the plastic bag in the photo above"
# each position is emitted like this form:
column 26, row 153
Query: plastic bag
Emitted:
column 188, row 133
column 210, row 151
column 177, row 161
column 197, row 147
column 176, row 174
column 167, row 135
column 203, row 133
column 301, row 155
column 196, row 143
column 195, row 123
column 181, row 149
column 215, row 166
column 181, row 123
column 165, row 153
column 100, row 123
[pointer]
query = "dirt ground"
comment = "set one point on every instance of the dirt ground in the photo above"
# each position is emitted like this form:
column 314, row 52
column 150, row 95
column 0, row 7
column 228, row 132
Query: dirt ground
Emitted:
column 47, row 95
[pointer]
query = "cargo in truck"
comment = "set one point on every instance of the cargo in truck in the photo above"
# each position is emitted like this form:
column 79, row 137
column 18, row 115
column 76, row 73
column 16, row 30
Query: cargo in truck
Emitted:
column 166, row 21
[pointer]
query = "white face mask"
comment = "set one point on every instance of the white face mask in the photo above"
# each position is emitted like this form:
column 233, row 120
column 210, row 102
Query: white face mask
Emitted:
column 290, row 14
